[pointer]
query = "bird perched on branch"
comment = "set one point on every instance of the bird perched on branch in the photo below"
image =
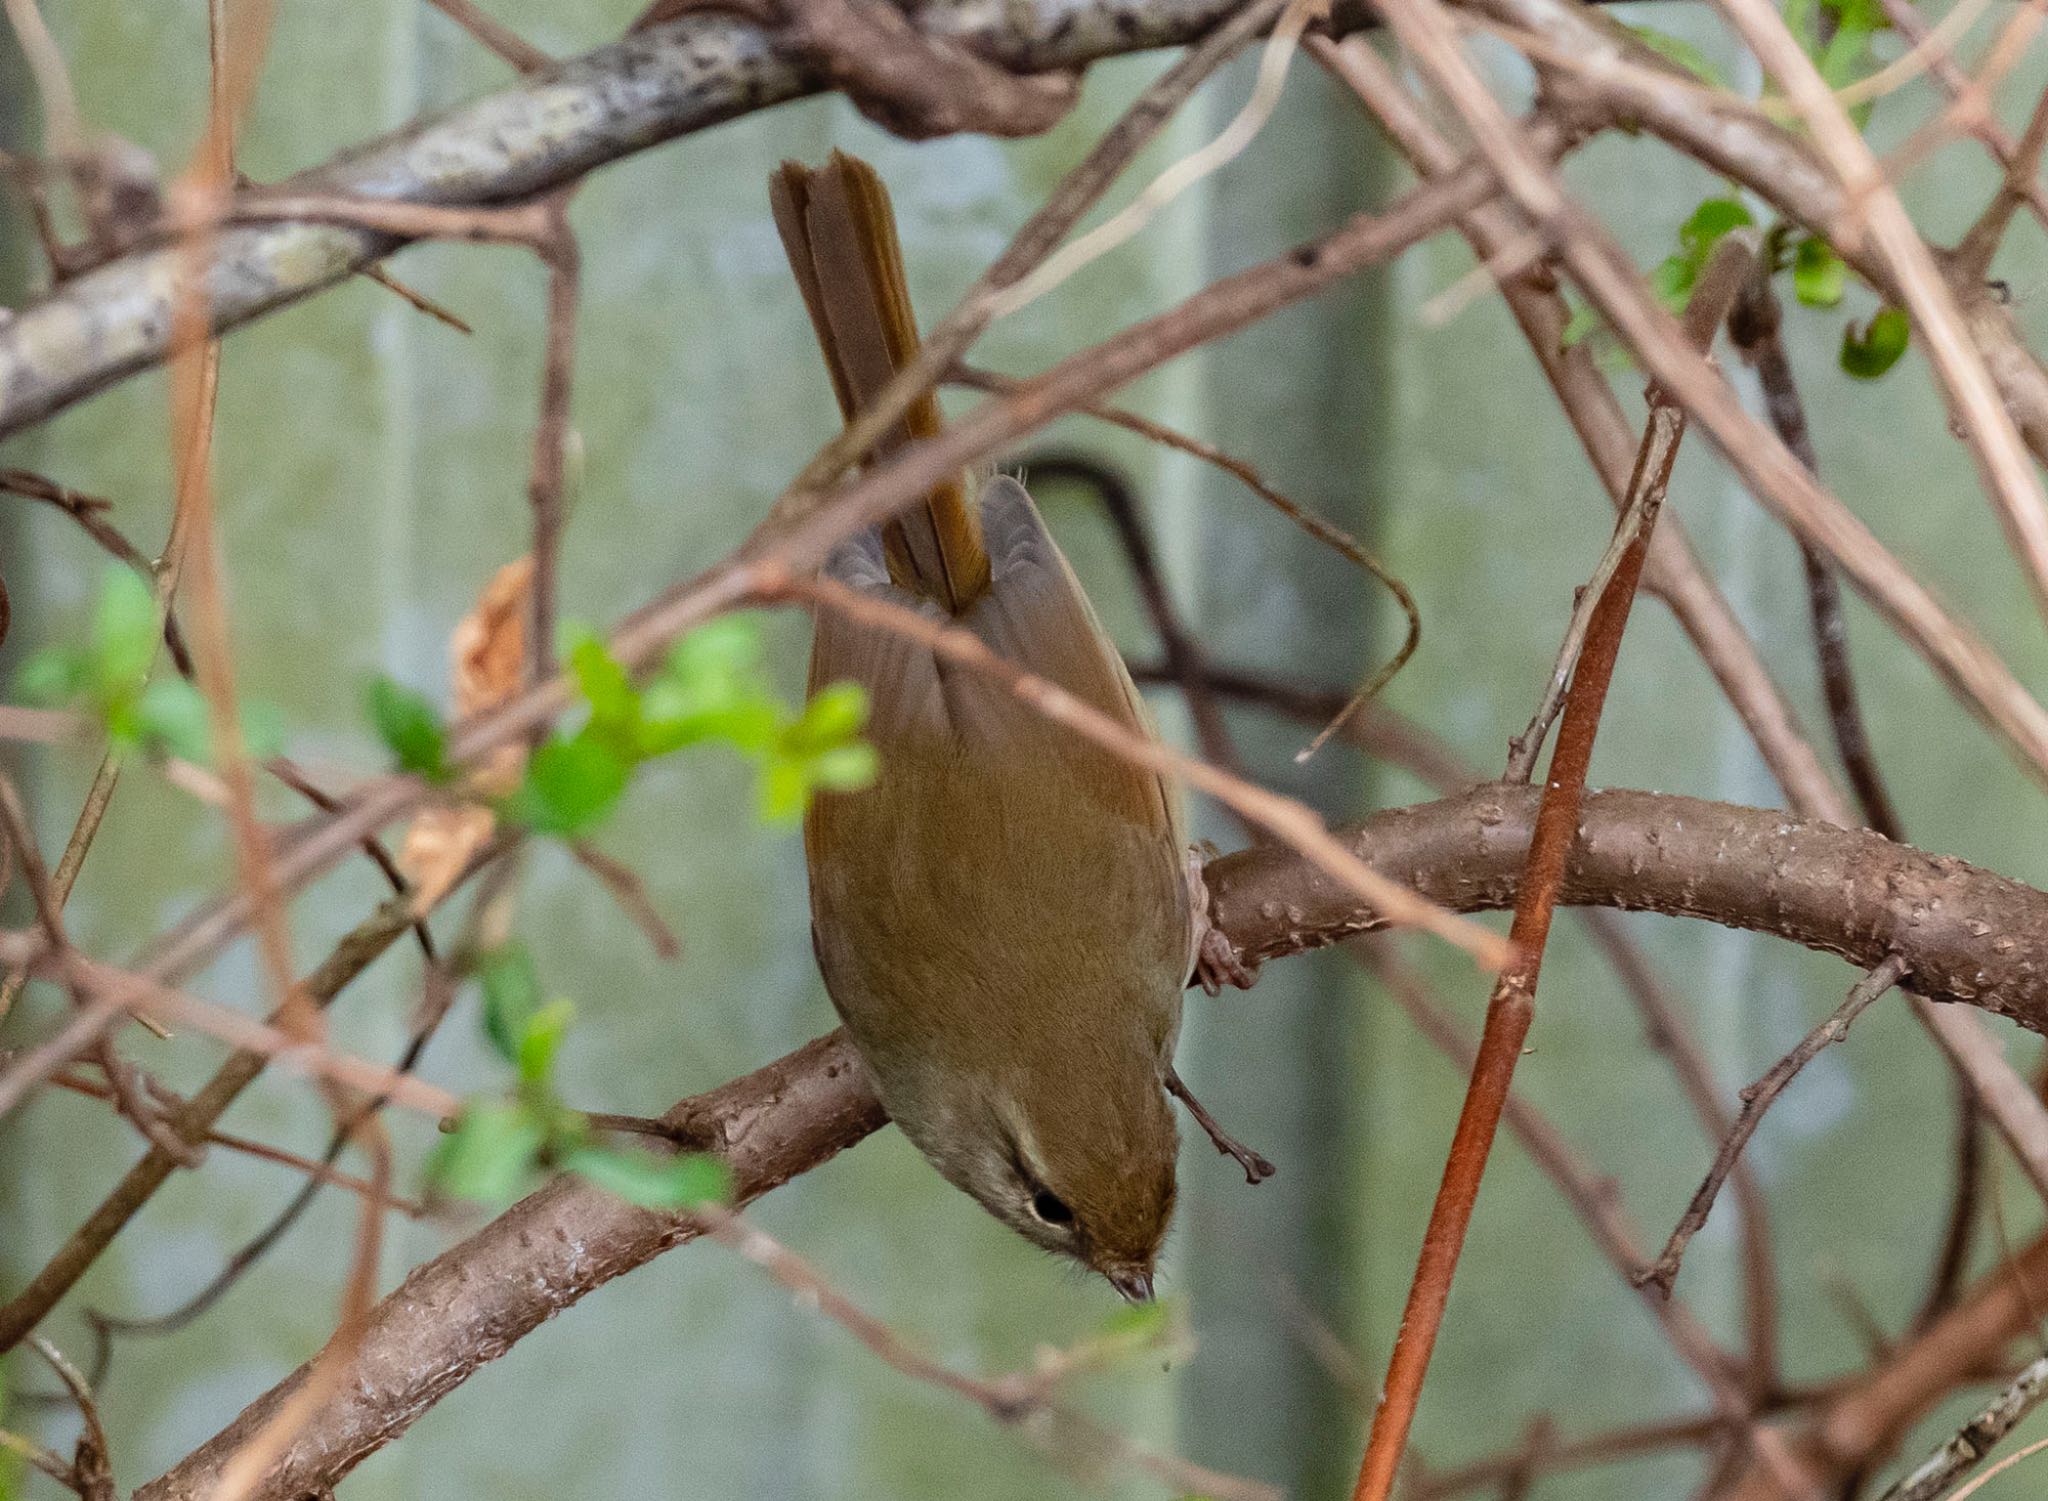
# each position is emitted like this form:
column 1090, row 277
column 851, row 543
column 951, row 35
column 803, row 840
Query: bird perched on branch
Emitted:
column 1004, row 919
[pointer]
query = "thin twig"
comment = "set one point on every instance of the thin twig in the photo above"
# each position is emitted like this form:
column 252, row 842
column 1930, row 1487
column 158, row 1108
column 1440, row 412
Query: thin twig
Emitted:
column 1596, row 1449
column 87, row 511
column 63, row 130
column 1511, row 1008
column 1022, row 1402
column 1973, row 1442
column 630, row 892
column 1758, row 1098
column 319, row 1172
column 1212, row 156
column 1911, row 25
column 1595, row 1202
column 351, row 955
column 1732, row 264
column 551, row 435
column 494, row 35
column 1974, row 252
column 1040, row 235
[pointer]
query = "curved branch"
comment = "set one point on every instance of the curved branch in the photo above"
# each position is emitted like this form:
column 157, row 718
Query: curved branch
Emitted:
column 1966, row 933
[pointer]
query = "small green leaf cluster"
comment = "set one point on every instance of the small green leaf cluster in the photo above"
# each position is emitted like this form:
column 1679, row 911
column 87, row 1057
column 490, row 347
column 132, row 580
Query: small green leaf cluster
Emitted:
column 499, row 1148
column 709, row 690
column 1837, row 35
column 107, row 679
column 1677, row 274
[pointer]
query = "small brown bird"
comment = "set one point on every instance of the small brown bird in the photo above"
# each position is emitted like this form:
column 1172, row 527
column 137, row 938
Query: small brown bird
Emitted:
column 1004, row 920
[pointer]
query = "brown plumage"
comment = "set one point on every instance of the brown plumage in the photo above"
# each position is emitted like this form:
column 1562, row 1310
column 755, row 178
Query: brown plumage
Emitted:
column 1003, row 919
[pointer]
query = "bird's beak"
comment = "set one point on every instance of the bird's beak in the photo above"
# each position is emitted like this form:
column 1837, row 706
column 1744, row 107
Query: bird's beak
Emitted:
column 1134, row 1282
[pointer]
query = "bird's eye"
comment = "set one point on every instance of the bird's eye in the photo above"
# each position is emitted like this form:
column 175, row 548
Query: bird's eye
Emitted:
column 1051, row 1208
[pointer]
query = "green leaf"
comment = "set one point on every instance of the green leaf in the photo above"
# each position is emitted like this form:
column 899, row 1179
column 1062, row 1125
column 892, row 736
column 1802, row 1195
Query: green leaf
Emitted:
column 511, row 997
column 51, row 677
column 540, row 1040
column 1584, row 320
column 725, row 647
column 785, row 790
column 846, row 768
column 124, row 633
column 410, row 727
column 1139, row 1323
column 1679, row 52
column 835, row 714
column 1709, row 222
column 1870, row 352
column 571, row 786
column 172, row 716
column 1819, row 276
column 491, row 1154
column 654, row 1181
column 606, row 686
column 1672, row 282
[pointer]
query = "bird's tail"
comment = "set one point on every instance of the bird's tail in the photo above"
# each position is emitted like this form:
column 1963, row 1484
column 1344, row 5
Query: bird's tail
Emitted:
column 840, row 234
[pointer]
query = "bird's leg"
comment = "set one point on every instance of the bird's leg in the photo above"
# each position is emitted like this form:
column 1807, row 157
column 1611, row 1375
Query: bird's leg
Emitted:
column 1216, row 961
column 1256, row 1168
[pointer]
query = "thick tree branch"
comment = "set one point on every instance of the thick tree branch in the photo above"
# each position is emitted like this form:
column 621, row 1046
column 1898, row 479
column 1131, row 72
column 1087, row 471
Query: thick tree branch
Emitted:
column 1966, row 933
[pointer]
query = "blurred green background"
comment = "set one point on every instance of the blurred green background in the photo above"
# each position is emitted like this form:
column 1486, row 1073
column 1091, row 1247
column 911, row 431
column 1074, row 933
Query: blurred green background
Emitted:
column 372, row 467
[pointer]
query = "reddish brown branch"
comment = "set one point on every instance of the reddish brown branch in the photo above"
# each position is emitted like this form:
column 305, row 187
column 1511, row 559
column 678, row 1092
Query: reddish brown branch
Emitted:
column 1511, row 1008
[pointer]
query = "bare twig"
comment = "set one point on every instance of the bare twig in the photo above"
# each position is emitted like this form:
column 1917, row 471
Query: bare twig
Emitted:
column 1734, row 260
column 63, row 129
column 1023, row 1402
column 1213, row 155
column 349, row 958
column 1511, row 1008
column 551, row 434
column 1041, row 234
column 87, row 511
column 495, row 36
column 630, row 893
column 1957, row 84
column 1598, row 1207
column 1933, row 1476
column 1758, row 1098
column 319, row 1172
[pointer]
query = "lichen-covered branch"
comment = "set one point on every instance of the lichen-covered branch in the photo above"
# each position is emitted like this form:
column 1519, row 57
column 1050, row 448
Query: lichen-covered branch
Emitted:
column 541, row 133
